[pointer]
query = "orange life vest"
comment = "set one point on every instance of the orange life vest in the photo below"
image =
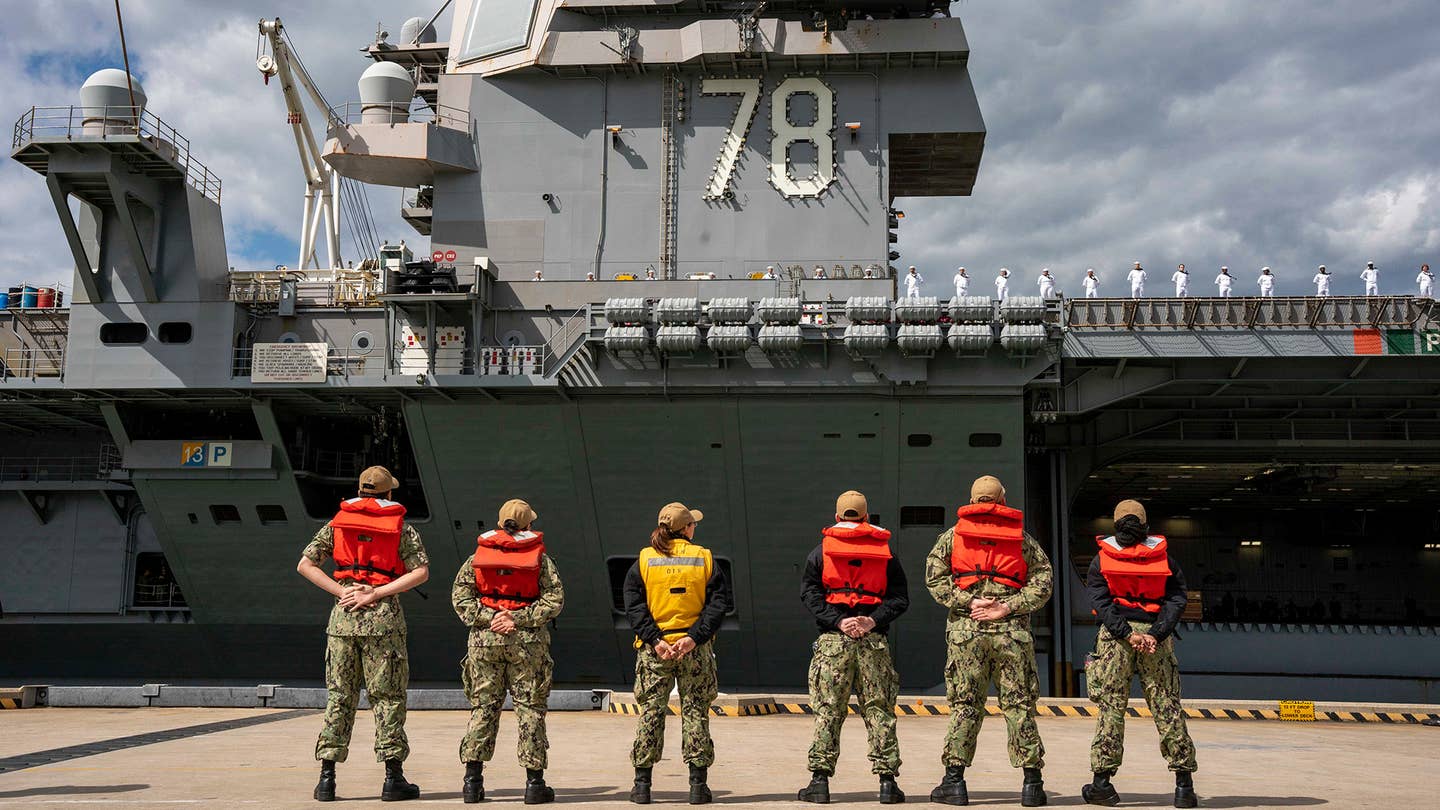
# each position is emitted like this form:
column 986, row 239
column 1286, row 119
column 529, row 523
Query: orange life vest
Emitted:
column 1136, row 575
column 367, row 540
column 988, row 538
column 507, row 568
column 856, row 556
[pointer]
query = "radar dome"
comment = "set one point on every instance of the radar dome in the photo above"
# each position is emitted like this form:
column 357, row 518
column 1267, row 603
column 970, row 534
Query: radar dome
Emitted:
column 417, row 30
column 385, row 93
column 105, row 101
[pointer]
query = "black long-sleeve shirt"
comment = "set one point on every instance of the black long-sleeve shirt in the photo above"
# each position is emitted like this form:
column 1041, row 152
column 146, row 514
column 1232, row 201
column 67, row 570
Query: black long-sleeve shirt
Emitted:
column 719, row 600
column 828, row 616
column 1117, row 618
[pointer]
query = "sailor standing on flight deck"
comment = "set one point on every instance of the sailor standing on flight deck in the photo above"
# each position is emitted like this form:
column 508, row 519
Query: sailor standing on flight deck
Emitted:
column 1047, row 284
column 1322, row 283
column 1371, row 277
column 1224, row 281
column 377, row 556
column 1138, row 592
column 913, row 280
column 507, row 593
column 1092, row 284
column 1002, row 285
column 1426, row 280
column 1266, row 282
column 1182, row 282
column 992, row 575
column 675, row 598
column 962, row 283
column 855, row 588
column 1137, row 281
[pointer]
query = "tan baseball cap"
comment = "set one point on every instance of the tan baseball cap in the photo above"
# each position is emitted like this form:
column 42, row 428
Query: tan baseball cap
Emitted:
column 852, row 505
column 518, row 511
column 1129, row 507
column 987, row 489
column 377, row 479
column 676, row 516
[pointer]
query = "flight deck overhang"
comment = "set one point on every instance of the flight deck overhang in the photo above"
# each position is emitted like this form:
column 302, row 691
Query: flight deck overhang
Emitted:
column 406, row 155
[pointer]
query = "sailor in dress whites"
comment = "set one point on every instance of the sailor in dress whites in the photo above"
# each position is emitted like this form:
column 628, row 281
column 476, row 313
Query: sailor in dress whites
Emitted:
column 1047, row 284
column 1266, row 282
column 1322, row 282
column 1371, row 276
column 1137, row 281
column 1182, row 282
column 1002, row 285
column 1426, row 280
column 1224, row 282
column 962, row 283
column 1092, row 284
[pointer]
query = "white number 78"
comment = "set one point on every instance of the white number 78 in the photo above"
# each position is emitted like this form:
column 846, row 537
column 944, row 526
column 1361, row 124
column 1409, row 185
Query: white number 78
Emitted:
column 820, row 133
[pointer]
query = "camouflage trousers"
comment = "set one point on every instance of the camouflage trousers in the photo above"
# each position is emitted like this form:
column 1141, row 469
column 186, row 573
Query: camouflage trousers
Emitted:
column 842, row 665
column 1107, row 677
column 381, row 665
column 694, row 676
column 487, row 673
column 974, row 661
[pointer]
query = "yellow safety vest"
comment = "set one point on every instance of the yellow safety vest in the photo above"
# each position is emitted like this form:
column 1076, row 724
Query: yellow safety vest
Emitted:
column 675, row 586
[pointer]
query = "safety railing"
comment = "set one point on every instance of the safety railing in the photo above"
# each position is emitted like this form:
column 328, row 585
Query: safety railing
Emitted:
column 120, row 123
column 350, row 288
column 565, row 339
column 353, row 112
column 34, row 363
column 1244, row 313
column 158, row 595
column 59, row 468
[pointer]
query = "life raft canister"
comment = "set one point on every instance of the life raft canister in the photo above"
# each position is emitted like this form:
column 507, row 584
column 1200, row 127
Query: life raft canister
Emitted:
column 988, row 540
column 507, row 568
column 675, row 585
column 1136, row 575
column 856, row 558
column 367, row 540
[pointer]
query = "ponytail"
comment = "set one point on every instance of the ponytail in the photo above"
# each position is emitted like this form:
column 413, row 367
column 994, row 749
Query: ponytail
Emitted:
column 662, row 538
column 511, row 527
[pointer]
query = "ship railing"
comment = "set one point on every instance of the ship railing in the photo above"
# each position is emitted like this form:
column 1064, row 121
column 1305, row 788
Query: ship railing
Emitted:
column 565, row 340
column 347, row 288
column 33, row 363
column 116, row 123
column 162, row 595
column 353, row 112
column 1291, row 312
column 57, row 468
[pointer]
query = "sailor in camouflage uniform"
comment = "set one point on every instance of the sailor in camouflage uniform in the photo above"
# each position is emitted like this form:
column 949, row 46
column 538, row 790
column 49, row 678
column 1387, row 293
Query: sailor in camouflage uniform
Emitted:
column 377, row 556
column 991, row 575
column 855, row 588
column 507, row 593
column 1138, row 592
column 675, row 598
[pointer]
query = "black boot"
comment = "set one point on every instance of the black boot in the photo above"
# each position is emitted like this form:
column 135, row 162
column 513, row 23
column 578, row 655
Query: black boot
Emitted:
column 699, row 791
column 1185, row 790
column 951, row 789
column 818, row 791
column 640, row 793
column 1032, row 790
column 890, row 793
column 325, row 788
column 536, row 791
column 396, row 788
column 1100, row 791
column 474, row 788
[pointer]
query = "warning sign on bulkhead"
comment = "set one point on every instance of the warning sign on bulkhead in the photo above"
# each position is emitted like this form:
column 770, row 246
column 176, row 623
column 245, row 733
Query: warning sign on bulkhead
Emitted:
column 288, row 362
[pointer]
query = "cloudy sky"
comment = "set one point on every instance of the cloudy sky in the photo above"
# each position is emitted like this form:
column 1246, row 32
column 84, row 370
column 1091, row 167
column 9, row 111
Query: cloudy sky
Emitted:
column 1286, row 133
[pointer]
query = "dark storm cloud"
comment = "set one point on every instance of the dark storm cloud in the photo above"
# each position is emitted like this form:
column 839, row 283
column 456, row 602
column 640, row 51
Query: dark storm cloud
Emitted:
column 1283, row 133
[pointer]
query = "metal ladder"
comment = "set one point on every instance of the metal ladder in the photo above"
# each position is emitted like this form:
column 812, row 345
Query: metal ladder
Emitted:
column 668, row 175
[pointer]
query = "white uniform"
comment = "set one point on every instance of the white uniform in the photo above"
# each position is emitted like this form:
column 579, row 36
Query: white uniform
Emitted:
column 1002, row 287
column 1137, row 283
column 962, row 286
column 1092, row 286
column 1372, row 280
column 1427, row 284
column 1267, row 285
column 1322, row 285
column 912, row 284
column 1047, row 286
column 1223, row 282
column 1182, row 284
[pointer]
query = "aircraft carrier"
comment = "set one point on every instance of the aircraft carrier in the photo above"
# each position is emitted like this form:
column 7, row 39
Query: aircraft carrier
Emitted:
column 171, row 439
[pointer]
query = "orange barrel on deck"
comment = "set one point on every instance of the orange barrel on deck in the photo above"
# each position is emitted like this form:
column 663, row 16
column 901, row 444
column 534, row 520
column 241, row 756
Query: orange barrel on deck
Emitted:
column 45, row 297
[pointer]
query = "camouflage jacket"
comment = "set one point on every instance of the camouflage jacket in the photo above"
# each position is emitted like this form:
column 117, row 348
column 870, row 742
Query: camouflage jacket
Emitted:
column 531, row 622
column 1039, row 582
column 383, row 617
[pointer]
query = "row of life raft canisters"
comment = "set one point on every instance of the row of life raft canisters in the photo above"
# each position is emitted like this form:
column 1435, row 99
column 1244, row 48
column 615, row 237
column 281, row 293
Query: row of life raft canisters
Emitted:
column 26, row 296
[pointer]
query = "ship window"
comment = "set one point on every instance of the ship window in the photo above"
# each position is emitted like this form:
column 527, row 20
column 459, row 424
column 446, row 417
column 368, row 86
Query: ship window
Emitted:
column 194, row 519
column 866, row 436
column 832, row 435
column 496, row 26
column 984, row 439
column 154, row 583
column 922, row 516
column 271, row 514
column 919, row 440
column 123, row 334
column 618, row 567
column 174, row 332
column 224, row 513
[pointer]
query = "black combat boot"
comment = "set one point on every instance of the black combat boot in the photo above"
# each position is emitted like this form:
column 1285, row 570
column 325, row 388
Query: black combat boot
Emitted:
column 473, row 790
column 1185, row 790
column 951, row 789
column 1100, row 791
column 890, row 793
column 699, row 791
column 396, row 788
column 1032, row 790
column 536, row 791
column 818, row 791
column 325, row 788
column 640, row 793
